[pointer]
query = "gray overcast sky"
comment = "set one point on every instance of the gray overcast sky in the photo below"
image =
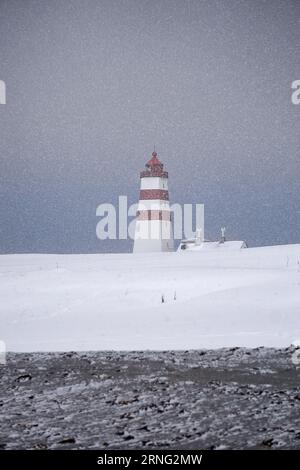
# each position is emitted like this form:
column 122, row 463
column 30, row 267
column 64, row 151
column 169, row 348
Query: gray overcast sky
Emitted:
column 92, row 85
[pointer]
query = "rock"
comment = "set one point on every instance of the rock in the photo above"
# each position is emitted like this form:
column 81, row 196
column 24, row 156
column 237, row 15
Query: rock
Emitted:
column 68, row 440
column 24, row 378
column 267, row 442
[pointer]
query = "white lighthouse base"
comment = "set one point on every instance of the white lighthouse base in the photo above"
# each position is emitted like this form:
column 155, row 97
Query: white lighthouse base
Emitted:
column 153, row 236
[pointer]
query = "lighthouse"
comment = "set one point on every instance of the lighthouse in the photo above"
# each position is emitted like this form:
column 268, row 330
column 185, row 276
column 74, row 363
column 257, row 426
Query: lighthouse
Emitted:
column 153, row 228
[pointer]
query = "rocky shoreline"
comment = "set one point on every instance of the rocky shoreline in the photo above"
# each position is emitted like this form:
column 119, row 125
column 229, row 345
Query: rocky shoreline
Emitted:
column 212, row 399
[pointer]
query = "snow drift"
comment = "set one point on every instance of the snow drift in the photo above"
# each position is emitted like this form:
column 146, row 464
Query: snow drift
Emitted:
column 157, row 301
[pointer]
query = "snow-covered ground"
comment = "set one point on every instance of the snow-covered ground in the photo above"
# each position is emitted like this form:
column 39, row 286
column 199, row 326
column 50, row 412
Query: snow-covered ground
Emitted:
column 187, row 300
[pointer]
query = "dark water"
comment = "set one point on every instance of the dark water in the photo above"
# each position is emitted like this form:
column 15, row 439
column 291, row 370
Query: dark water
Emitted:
column 229, row 398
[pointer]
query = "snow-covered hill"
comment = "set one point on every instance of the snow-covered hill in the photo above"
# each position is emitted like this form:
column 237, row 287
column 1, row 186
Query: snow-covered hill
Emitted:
column 163, row 301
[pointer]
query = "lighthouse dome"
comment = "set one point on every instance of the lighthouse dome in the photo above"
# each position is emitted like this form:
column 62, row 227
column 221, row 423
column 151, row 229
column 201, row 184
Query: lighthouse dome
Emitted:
column 154, row 168
column 154, row 162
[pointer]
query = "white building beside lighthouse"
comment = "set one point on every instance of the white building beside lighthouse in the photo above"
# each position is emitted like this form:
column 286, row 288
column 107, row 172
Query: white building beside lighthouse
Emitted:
column 153, row 229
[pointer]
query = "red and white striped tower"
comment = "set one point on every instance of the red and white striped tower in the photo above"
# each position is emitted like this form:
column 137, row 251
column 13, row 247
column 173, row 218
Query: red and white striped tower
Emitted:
column 153, row 229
